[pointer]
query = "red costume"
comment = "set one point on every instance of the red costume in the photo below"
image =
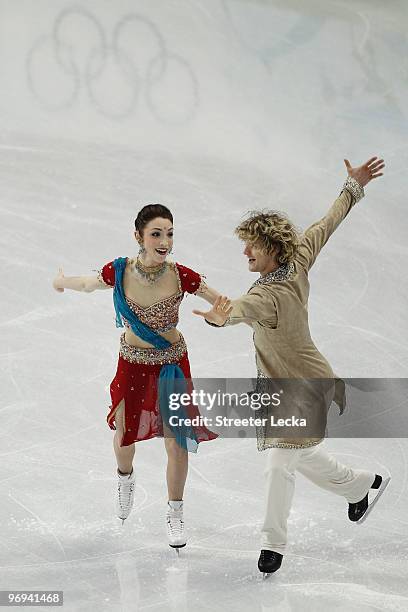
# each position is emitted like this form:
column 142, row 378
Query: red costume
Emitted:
column 139, row 368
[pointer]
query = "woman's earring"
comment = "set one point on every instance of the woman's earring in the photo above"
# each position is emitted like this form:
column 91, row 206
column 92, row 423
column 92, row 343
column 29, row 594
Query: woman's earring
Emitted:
column 171, row 250
column 141, row 249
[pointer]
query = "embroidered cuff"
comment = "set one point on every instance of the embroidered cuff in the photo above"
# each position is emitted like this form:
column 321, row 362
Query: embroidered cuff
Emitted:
column 100, row 277
column 354, row 187
column 202, row 286
column 215, row 325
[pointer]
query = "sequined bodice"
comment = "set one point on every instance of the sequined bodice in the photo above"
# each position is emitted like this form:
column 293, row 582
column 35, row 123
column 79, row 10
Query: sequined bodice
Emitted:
column 161, row 316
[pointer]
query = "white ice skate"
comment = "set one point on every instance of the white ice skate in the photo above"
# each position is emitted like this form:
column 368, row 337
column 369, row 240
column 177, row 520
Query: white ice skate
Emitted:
column 371, row 505
column 175, row 525
column 125, row 495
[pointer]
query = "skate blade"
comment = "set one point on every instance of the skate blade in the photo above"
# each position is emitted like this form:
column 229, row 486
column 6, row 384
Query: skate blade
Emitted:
column 266, row 575
column 381, row 490
column 177, row 547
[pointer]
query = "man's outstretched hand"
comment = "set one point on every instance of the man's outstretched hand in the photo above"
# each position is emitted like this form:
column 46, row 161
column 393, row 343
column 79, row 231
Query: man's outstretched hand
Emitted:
column 219, row 313
column 367, row 172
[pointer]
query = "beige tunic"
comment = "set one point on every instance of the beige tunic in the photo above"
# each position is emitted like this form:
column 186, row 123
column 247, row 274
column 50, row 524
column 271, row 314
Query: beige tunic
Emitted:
column 284, row 348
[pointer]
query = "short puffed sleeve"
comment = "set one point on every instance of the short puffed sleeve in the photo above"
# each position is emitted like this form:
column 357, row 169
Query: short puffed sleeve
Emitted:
column 106, row 274
column 191, row 282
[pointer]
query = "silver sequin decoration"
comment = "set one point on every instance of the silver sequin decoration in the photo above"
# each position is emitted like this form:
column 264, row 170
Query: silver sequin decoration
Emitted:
column 354, row 187
column 283, row 273
column 264, row 443
column 152, row 356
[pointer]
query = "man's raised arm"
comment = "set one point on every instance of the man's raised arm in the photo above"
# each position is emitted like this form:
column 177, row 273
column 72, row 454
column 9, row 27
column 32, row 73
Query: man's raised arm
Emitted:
column 316, row 236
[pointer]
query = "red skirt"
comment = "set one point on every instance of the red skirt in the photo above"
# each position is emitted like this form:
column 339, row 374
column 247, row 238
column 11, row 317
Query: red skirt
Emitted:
column 136, row 382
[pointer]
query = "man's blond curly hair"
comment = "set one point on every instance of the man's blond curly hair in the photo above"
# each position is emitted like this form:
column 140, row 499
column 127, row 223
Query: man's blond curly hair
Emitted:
column 269, row 229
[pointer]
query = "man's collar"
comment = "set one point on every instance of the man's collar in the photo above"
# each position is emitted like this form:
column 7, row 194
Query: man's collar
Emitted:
column 283, row 273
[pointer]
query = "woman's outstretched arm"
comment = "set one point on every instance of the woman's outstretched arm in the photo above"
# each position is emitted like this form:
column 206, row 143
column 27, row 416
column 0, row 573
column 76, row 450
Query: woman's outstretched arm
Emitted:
column 207, row 293
column 78, row 283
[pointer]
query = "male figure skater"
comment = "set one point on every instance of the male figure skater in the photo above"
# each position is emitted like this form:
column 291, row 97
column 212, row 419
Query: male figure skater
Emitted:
column 276, row 307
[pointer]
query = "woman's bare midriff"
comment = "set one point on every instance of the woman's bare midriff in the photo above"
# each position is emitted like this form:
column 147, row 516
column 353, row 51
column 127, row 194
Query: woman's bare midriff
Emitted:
column 172, row 336
column 147, row 295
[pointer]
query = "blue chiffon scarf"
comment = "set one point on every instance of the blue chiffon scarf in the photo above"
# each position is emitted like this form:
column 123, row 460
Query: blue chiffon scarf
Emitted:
column 171, row 378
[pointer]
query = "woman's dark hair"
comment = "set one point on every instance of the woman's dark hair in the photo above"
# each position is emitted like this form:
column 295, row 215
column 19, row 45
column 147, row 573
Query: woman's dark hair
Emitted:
column 149, row 212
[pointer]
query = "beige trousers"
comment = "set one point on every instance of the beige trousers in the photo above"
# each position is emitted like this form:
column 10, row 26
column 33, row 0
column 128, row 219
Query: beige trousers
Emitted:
column 318, row 466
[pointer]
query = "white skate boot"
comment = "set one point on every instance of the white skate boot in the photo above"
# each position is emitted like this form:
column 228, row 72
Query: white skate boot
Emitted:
column 125, row 494
column 175, row 525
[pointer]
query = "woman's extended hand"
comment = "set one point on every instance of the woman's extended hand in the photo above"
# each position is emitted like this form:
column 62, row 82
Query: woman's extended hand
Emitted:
column 57, row 281
column 368, row 171
column 219, row 313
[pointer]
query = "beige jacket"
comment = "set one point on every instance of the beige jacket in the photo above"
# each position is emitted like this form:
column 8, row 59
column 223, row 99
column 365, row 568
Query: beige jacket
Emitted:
column 284, row 348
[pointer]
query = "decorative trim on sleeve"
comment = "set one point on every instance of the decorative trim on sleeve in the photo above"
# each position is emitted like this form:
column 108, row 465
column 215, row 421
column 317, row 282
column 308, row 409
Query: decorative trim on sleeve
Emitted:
column 354, row 187
column 202, row 286
column 100, row 278
column 215, row 325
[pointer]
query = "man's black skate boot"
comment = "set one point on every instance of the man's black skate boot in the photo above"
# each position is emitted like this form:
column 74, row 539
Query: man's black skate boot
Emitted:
column 356, row 511
column 269, row 561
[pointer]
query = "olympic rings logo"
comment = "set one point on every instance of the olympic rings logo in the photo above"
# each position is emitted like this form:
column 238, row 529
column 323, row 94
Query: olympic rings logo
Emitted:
column 114, row 73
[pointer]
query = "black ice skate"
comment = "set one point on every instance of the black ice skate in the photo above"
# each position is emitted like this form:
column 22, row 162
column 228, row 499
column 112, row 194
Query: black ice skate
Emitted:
column 359, row 511
column 269, row 562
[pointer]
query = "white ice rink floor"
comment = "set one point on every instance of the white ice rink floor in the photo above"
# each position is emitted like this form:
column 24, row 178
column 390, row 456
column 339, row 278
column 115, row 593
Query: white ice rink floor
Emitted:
column 211, row 108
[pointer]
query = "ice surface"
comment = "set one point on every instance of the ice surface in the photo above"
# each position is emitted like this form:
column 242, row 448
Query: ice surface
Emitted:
column 213, row 108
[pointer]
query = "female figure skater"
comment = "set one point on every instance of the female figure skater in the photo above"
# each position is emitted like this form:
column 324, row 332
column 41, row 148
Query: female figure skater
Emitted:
column 153, row 359
column 276, row 307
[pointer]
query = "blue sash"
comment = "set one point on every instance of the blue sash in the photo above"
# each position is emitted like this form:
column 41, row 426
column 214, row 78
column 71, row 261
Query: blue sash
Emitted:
column 171, row 379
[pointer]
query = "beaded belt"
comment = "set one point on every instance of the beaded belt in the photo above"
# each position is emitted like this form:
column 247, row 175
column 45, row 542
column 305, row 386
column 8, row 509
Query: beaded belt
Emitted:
column 152, row 356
